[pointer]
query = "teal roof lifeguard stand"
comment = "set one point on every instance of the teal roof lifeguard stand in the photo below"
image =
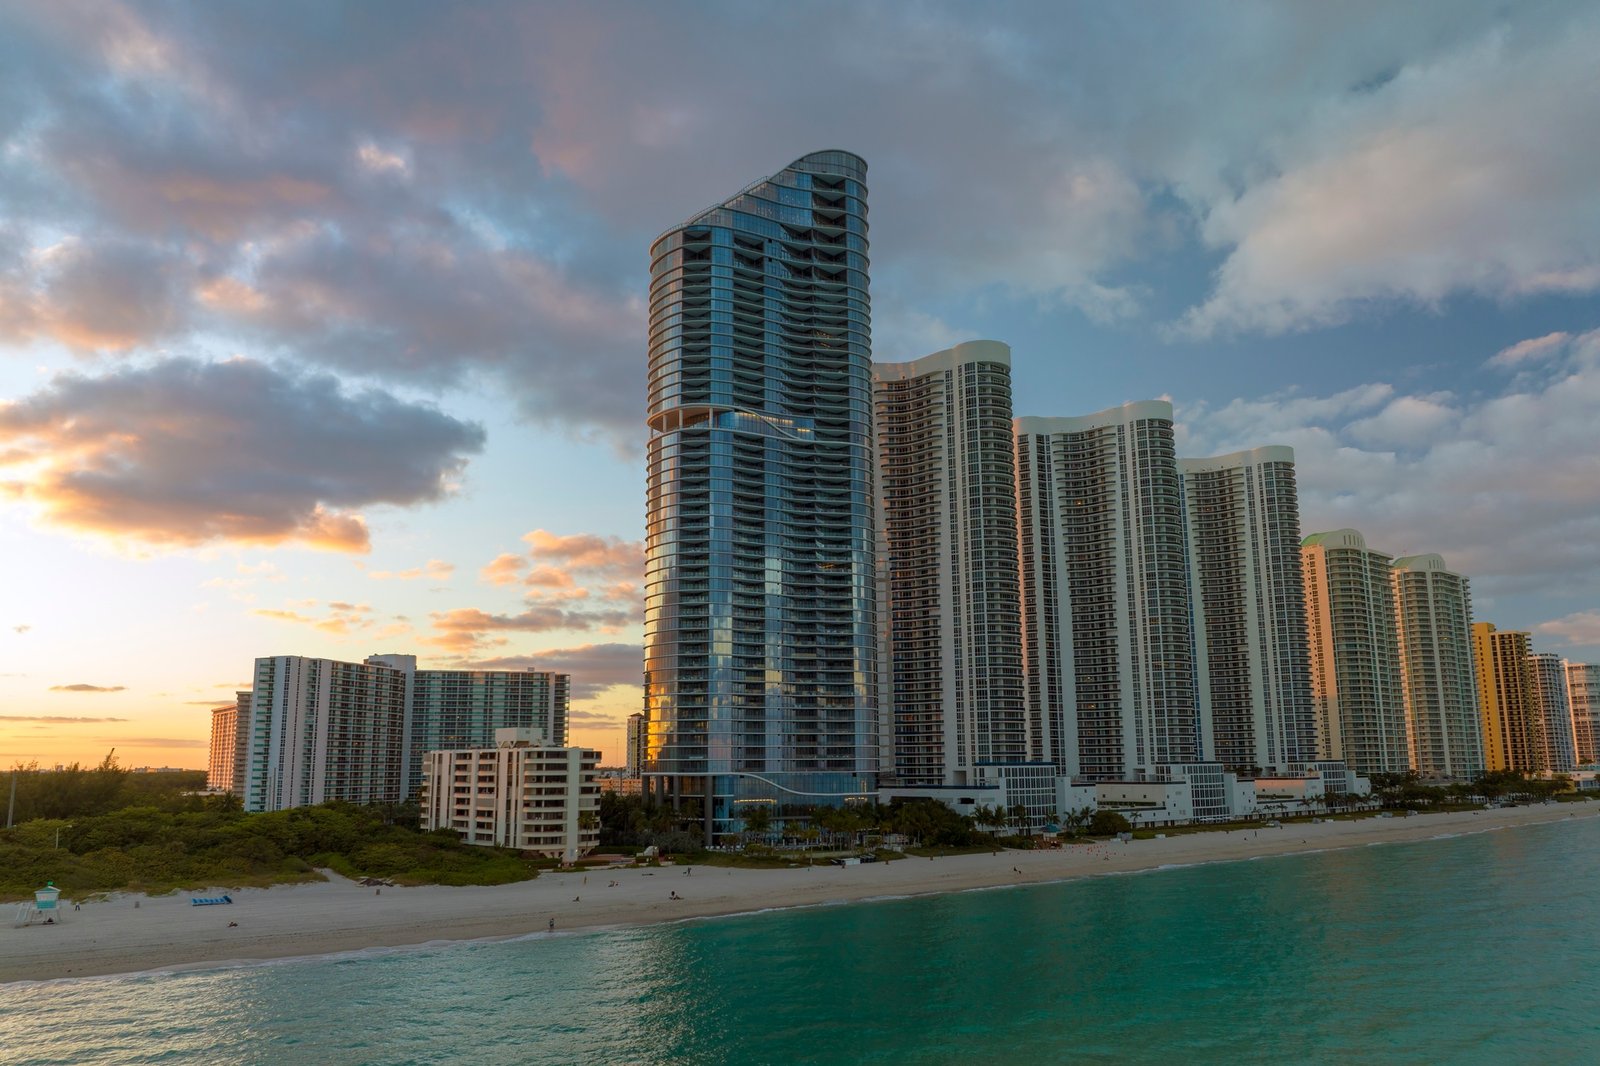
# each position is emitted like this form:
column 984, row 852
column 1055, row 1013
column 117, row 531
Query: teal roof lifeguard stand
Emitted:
column 45, row 908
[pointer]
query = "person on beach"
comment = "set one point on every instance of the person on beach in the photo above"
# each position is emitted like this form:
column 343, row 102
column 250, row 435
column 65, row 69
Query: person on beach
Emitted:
column 552, row 925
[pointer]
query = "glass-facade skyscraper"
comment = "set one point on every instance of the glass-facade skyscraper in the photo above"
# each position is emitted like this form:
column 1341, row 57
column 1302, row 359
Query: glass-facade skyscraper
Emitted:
column 760, row 613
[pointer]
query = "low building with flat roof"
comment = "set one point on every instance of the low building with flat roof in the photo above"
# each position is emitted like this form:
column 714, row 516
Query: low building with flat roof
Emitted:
column 522, row 793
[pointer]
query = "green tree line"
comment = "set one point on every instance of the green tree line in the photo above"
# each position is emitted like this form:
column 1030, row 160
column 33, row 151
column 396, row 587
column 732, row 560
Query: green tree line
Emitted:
column 104, row 829
column 78, row 791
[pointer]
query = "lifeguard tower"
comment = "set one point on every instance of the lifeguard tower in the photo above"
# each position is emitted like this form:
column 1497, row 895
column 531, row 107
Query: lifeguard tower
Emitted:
column 44, row 909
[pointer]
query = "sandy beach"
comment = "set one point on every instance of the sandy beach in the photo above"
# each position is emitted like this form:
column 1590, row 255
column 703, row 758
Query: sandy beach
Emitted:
column 131, row 933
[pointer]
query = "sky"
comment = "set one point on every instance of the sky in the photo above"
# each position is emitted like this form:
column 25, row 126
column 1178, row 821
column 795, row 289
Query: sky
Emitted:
column 322, row 326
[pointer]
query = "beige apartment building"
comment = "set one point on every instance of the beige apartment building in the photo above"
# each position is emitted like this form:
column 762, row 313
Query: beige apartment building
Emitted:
column 1583, row 696
column 522, row 793
column 1557, row 744
column 1434, row 619
column 1355, row 653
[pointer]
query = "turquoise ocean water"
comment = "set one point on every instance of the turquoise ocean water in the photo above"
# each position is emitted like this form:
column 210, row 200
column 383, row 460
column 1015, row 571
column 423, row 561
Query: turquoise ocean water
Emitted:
column 1481, row 948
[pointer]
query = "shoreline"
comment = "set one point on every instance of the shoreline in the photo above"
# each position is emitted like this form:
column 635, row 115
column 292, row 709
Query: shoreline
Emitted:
column 135, row 934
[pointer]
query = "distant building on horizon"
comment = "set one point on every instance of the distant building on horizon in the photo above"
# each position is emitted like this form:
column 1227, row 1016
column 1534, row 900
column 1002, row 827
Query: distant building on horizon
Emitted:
column 1242, row 513
column 1434, row 620
column 1111, row 654
column 224, row 730
column 1512, row 730
column 1355, row 653
column 638, row 736
column 224, row 742
column 1583, row 695
column 950, row 599
column 761, row 626
column 1558, row 746
column 522, row 792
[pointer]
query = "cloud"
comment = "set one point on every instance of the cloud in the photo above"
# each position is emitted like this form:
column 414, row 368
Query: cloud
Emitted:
column 341, row 620
column 53, row 718
column 587, row 552
column 181, row 453
column 1580, row 629
column 101, row 297
column 1506, row 487
column 503, row 569
column 593, row 667
column 467, row 630
column 1531, row 349
column 81, row 687
column 435, row 570
column 438, row 199
column 155, row 742
column 1468, row 172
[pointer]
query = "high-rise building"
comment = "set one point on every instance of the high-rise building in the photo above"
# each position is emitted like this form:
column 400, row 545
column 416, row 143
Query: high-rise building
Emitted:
column 760, row 598
column 950, row 601
column 325, row 730
column 224, row 741
column 1110, row 652
column 458, row 709
column 1512, row 731
column 241, row 742
column 1355, row 653
column 1583, row 695
column 1557, row 746
column 321, row 729
column 1243, row 513
column 1434, row 619
column 636, row 745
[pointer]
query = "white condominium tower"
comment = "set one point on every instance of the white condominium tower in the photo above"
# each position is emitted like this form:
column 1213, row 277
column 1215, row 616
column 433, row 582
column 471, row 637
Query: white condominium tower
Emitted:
column 1558, row 748
column 1243, row 515
column 1509, row 708
column 325, row 730
column 947, row 553
column 1583, row 694
column 1434, row 618
column 1355, row 653
column 320, row 729
column 1105, row 583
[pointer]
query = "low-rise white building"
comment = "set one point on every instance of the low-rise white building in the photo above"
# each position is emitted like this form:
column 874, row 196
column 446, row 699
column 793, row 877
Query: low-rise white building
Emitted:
column 522, row 793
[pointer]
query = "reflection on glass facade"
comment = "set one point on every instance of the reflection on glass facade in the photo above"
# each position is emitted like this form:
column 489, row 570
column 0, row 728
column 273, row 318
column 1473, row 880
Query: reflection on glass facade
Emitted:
column 760, row 660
